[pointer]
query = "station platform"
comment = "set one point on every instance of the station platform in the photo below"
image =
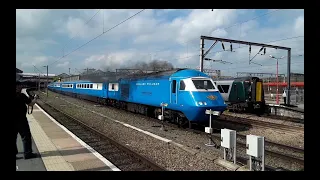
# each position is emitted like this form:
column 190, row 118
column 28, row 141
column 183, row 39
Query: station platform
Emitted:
column 298, row 108
column 58, row 149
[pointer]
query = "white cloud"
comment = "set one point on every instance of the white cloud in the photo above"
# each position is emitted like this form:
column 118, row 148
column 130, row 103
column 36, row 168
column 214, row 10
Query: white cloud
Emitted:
column 29, row 43
column 63, row 65
column 37, row 61
column 299, row 25
column 175, row 32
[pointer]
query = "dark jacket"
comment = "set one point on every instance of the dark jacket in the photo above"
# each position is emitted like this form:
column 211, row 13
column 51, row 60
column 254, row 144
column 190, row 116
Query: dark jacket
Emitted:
column 21, row 105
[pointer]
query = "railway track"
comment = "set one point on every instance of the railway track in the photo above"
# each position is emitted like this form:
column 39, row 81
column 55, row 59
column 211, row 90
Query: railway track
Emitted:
column 284, row 118
column 121, row 156
column 257, row 123
column 270, row 146
column 274, row 117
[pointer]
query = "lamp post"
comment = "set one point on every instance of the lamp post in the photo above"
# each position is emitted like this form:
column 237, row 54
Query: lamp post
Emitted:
column 47, row 79
column 277, row 97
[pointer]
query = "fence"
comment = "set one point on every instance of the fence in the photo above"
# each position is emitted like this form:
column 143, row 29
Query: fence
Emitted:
column 296, row 96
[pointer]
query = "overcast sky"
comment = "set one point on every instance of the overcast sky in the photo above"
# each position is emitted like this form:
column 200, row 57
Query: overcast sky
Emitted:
column 44, row 36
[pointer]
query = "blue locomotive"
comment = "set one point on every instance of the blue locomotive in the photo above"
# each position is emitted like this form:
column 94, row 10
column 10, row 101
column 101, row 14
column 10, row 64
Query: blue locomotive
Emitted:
column 187, row 94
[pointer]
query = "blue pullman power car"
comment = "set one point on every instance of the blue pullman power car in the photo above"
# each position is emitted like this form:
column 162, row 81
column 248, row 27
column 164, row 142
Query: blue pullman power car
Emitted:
column 187, row 94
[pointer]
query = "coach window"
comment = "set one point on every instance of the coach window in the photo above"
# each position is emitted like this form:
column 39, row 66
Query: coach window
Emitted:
column 220, row 89
column 91, row 85
column 182, row 85
column 225, row 88
column 174, row 86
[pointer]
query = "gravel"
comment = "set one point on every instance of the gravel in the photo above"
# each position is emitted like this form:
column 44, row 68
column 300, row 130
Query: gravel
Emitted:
column 266, row 119
column 143, row 143
column 167, row 155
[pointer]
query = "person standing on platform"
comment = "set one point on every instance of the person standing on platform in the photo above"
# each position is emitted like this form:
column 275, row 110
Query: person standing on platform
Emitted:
column 284, row 95
column 21, row 122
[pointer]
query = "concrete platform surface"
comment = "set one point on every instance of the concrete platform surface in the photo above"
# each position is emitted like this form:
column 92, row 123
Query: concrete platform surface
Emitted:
column 58, row 148
column 35, row 164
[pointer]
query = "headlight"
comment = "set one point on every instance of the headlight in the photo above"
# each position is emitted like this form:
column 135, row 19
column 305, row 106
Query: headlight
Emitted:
column 204, row 103
column 200, row 103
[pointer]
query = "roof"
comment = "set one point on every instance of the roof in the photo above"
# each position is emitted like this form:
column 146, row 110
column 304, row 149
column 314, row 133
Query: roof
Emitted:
column 35, row 74
column 151, row 75
column 237, row 79
column 76, row 81
column 63, row 75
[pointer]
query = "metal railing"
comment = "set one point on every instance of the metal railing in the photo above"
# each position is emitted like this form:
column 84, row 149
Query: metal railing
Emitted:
column 296, row 97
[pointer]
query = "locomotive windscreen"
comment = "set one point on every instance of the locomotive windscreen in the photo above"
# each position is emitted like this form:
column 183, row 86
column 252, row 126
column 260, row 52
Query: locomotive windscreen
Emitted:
column 203, row 84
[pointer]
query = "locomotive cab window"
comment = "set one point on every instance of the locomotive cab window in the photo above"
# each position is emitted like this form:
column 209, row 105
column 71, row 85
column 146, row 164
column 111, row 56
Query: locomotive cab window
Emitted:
column 182, row 85
column 203, row 84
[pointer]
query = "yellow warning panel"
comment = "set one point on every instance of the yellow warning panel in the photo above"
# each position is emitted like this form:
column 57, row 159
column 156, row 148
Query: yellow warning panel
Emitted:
column 258, row 91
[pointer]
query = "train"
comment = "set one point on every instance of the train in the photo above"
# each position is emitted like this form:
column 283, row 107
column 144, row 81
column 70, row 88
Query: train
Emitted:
column 185, row 94
column 245, row 94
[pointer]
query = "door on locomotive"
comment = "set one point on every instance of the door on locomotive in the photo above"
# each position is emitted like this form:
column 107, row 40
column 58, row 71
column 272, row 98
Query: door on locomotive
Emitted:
column 173, row 96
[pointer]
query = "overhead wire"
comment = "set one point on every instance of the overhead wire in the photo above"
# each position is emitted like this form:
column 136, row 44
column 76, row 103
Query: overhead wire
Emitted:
column 98, row 36
column 84, row 24
column 240, row 47
column 212, row 30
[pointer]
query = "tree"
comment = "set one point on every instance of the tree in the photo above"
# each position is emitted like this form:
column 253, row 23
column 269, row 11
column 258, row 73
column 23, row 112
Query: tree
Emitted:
column 56, row 78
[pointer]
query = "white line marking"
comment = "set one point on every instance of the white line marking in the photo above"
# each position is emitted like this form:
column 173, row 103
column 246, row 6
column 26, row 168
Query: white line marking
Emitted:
column 36, row 110
column 94, row 152
column 125, row 124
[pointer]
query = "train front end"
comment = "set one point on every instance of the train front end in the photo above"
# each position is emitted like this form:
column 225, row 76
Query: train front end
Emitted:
column 256, row 94
column 202, row 95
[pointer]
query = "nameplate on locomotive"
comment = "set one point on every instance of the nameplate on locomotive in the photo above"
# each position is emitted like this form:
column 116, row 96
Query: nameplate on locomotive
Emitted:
column 147, row 84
